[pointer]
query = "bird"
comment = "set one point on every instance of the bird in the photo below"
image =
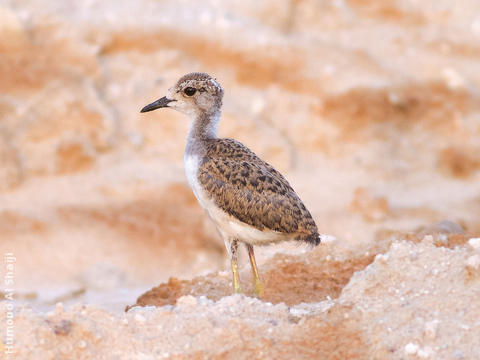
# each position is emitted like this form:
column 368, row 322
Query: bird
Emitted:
column 249, row 201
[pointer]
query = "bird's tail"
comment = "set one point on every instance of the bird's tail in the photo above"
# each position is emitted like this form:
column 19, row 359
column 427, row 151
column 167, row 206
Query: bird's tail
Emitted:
column 313, row 239
column 316, row 238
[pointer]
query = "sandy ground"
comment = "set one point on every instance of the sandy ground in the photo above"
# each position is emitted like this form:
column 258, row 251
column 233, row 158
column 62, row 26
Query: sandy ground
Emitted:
column 371, row 109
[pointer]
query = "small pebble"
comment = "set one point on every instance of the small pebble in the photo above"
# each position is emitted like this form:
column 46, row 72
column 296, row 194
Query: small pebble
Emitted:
column 474, row 242
column 473, row 262
column 382, row 258
column 411, row 348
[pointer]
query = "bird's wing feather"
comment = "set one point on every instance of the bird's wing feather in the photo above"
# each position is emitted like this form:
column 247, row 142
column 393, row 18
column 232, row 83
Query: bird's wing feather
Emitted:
column 252, row 191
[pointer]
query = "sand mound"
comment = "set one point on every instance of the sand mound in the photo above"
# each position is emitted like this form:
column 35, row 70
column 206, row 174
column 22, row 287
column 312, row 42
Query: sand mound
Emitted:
column 417, row 299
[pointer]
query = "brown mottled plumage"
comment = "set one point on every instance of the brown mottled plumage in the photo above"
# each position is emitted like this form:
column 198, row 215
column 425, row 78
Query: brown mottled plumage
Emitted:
column 248, row 188
column 248, row 199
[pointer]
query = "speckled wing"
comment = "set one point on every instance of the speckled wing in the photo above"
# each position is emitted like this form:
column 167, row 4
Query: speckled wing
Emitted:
column 251, row 190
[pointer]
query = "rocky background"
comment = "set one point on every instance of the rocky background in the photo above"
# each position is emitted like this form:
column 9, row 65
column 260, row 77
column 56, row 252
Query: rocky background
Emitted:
column 370, row 108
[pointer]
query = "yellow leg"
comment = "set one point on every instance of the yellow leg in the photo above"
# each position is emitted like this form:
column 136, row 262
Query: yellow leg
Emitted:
column 258, row 287
column 237, row 289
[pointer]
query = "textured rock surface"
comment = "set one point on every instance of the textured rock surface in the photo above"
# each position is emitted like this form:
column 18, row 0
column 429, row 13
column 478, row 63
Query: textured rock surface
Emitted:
column 371, row 110
column 416, row 299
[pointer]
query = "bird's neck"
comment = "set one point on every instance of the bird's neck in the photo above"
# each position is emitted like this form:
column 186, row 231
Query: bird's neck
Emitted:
column 203, row 127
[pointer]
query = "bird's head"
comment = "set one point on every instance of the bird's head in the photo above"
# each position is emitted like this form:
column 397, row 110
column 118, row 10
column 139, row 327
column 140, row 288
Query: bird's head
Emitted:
column 193, row 94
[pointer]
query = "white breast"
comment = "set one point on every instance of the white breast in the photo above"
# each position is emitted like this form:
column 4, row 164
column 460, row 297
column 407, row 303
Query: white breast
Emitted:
column 192, row 163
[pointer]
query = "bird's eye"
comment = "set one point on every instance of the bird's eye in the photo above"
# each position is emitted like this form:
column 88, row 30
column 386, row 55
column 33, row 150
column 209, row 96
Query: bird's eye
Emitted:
column 189, row 91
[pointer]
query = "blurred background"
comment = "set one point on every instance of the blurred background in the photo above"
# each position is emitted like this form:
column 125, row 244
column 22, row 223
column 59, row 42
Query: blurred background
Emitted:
column 369, row 107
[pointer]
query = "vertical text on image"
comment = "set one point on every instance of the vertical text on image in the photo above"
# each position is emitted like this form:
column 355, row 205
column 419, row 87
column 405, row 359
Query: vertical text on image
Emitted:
column 9, row 283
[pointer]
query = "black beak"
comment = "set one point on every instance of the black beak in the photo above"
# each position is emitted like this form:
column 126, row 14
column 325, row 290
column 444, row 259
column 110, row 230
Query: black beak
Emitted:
column 160, row 103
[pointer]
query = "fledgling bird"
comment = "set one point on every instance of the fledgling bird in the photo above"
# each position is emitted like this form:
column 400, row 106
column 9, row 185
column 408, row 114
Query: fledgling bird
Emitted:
column 247, row 199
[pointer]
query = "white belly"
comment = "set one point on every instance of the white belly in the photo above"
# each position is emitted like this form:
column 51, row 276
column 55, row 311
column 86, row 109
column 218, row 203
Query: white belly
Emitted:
column 228, row 225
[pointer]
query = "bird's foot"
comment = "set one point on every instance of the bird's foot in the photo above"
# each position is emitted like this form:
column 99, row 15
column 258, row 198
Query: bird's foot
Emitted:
column 258, row 288
column 237, row 288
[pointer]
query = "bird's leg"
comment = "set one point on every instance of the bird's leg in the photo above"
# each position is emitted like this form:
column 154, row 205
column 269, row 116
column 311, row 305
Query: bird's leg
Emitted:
column 258, row 287
column 237, row 289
